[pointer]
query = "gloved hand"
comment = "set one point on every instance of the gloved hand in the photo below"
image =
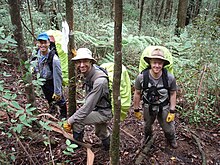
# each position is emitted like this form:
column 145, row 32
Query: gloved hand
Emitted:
column 170, row 116
column 56, row 97
column 67, row 127
column 138, row 114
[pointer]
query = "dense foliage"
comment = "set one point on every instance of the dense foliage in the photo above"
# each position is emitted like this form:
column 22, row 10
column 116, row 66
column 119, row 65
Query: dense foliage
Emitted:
column 196, row 51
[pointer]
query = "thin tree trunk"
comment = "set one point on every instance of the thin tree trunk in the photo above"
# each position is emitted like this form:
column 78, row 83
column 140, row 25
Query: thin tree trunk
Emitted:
column 18, row 35
column 168, row 10
column 71, row 65
column 181, row 15
column 116, row 83
column 53, row 19
column 32, row 27
column 160, row 12
column 141, row 14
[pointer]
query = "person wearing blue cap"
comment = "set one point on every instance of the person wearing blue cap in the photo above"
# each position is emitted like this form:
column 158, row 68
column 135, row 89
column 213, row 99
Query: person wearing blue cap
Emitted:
column 48, row 65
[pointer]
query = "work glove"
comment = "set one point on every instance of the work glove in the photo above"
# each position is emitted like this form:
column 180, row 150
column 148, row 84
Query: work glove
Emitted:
column 56, row 97
column 170, row 116
column 138, row 114
column 67, row 127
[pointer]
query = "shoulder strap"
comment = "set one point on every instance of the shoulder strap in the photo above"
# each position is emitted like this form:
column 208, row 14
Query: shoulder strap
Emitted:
column 145, row 78
column 165, row 78
column 50, row 59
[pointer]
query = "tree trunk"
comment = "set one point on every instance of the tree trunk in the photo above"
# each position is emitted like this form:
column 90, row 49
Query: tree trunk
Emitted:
column 141, row 14
column 181, row 15
column 18, row 35
column 113, row 9
column 53, row 19
column 160, row 12
column 168, row 9
column 114, row 154
column 71, row 65
column 193, row 10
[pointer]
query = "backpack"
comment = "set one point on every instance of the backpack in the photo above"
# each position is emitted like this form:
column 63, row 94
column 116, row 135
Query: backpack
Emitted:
column 151, row 95
column 125, row 87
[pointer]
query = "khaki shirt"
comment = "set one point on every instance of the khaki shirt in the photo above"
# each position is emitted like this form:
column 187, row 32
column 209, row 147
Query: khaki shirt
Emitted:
column 95, row 99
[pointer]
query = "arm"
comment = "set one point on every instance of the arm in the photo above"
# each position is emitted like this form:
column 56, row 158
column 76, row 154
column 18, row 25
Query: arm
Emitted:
column 57, row 76
column 137, row 98
column 172, row 100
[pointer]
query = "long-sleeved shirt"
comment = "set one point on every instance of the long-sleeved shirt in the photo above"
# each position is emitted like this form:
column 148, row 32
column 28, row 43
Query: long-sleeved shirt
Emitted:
column 97, row 93
column 45, row 72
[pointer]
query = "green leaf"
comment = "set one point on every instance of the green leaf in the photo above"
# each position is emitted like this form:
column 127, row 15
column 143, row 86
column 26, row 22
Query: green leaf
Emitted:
column 18, row 128
column 68, row 142
column 22, row 117
column 6, row 74
column 27, row 106
column 69, row 149
column 73, row 145
column 19, row 112
column 7, row 96
column 67, row 153
column 16, row 105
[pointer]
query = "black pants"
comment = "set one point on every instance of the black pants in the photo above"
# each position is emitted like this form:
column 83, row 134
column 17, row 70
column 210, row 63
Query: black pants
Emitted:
column 48, row 90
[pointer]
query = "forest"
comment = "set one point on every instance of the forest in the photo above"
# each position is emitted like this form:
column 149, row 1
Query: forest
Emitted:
column 190, row 29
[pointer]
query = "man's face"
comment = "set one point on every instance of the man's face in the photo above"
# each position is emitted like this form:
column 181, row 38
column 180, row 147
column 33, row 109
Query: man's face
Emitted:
column 156, row 65
column 43, row 46
column 84, row 65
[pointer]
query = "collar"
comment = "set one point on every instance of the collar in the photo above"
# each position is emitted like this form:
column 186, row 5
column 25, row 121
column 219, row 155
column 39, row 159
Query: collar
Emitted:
column 89, row 75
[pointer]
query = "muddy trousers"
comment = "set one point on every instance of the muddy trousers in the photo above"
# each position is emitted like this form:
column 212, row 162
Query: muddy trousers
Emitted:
column 48, row 90
column 150, row 117
column 98, row 120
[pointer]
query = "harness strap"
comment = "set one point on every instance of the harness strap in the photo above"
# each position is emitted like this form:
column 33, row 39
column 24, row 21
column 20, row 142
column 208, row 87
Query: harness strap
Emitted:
column 90, row 85
column 146, row 81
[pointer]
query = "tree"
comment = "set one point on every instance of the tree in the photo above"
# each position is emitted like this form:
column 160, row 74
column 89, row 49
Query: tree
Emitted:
column 18, row 35
column 193, row 10
column 181, row 15
column 141, row 14
column 168, row 9
column 71, row 65
column 114, row 152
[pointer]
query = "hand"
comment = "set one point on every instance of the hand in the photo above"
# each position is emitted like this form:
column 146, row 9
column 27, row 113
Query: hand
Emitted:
column 138, row 115
column 56, row 97
column 170, row 117
column 67, row 127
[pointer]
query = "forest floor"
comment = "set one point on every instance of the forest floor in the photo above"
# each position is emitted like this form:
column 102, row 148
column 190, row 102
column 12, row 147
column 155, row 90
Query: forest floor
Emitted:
column 196, row 145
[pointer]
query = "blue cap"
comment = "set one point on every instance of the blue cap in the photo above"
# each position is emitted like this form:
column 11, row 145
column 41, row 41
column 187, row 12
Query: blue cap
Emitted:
column 43, row 36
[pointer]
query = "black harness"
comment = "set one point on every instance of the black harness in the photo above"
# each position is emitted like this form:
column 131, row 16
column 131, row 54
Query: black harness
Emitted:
column 151, row 95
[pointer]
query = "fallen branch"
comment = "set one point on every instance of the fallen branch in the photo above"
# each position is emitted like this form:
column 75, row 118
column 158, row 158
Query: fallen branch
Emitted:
column 55, row 127
column 130, row 135
column 200, row 149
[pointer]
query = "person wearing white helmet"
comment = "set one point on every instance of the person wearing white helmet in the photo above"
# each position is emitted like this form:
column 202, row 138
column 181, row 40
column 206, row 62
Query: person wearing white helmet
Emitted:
column 97, row 107
column 157, row 88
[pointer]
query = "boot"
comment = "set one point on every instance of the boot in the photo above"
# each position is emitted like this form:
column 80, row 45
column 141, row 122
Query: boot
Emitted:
column 173, row 143
column 79, row 137
column 63, row 111
column 171, row 140
column 106, row 143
